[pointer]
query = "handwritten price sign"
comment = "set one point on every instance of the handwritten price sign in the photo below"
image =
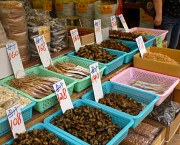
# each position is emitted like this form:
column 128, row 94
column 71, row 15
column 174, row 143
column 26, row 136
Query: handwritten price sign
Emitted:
column 96, row 81
column 76, row 39
column 15, row 120
column 63, row 96
column 43, row 50
column 15, row 59
column 114, row 23
column 98, row 31
column 121, row 17
column 141, row 45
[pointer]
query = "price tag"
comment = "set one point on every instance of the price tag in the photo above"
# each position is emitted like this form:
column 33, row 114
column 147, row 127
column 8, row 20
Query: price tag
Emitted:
column 159, row 41
column 58, row 6
column 43, row 50
column 141, row 45
column 82, row 7
column 96, row 81
column 76, row 39
column 63, row 96
column 15, row 59
column 114, row 23
column 47, row 6
column 15, row 120
column 121, row 17
column 45, row 30
column 106, row 9
column 98, row 31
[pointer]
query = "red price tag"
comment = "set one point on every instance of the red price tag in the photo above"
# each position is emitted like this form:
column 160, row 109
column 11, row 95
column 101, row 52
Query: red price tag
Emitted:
column 47, row 6
column 106, row 9
column 82, row 7
column 59, row 7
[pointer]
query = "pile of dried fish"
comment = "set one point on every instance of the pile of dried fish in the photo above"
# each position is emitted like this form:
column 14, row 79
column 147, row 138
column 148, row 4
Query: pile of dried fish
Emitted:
column 37, row 137
column 113, row 44
column 95, row 52
column 35, row 86
column 122, row 102
column 89, row 124
column 118, row 34
column 70, row 69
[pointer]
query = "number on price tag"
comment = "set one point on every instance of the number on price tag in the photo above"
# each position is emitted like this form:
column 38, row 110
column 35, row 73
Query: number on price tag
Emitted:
column 15, row 59
column 96, row 81
column 98, row 31
column 82, row 8
column 114, row 23
column 159, row 41
column 58, row 6
column 141, row 45
column 121, row 17
column 45, row 30
column 15, row 120
column 106, row 9
column 63, row 96
column 76, row 39
column 43, row 50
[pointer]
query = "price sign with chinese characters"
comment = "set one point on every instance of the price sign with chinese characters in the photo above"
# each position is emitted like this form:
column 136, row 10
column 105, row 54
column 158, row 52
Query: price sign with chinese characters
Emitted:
column 43, row 50
column 58, row 6
column 106, row 9
column 121, row 17
column 63, row 96
column 114, row 23
column 47, row 6
column 159, row 41
column 15, row 59
column 15, row 120
column 82, row 8
column 141, row 45
column 76, row 39
column 98, row 31
column 96, row 81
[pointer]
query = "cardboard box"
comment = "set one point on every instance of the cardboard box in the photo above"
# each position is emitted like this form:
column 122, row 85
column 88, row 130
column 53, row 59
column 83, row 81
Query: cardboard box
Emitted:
column 159, row 67
column 88, row 38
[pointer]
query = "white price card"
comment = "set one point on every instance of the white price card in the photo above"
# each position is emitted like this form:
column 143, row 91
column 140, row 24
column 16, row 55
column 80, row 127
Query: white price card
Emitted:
column 43, row 50
column 96, row 81
column 121, row 17
column 15, row 59
column 63, row 96
column 98, row 31
column 159, row 41
column 76, row 39
column 141, row 45
column 15, row 120
column 114, row 23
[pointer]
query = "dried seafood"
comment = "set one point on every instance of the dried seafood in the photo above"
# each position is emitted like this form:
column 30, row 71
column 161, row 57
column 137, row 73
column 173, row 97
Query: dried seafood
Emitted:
column 140, row 32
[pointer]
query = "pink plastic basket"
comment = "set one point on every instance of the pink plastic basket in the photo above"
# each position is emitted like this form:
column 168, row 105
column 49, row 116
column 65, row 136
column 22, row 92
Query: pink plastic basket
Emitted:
column 126, row 76
column 155, row 32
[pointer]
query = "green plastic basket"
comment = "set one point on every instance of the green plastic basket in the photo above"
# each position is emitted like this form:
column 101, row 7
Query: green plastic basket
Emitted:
column 48, row 101
column 81, row 84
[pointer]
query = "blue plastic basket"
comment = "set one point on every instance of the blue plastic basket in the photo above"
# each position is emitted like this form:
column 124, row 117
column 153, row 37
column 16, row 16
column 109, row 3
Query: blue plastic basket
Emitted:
column 119, row 119
column 147, row 99
column 114, row 64
column 26, row 114
column 42, row 126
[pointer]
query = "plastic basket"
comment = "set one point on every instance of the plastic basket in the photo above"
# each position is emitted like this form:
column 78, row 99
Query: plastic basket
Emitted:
column 155, row 32
column 81, row 84
column 42, row 126
column 114, row 64
column 26, row 114
column 145, row 98
column 138, row 74
column 48, row 101
column 119, row 119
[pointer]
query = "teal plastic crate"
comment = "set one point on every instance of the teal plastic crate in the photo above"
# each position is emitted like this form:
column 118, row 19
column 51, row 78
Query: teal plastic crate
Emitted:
column 48, row 101
column 26, row 114
column 42, row 126
column 114, row 64
column 80, row 84
column 146, row 98
column 119, row 119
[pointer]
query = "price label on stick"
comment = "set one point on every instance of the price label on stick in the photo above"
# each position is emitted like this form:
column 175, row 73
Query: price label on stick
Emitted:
column 159, row 41
column 63, row 96
column 15, row 120
column 96, row 81
column 43, row 50
column 98, row 31
column 114, row 23
column 121, row 17
column 141, row 45
column 15, row 59
column 76, row 39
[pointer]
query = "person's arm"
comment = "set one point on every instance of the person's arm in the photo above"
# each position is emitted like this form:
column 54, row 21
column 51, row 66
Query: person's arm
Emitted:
column 158, row 10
